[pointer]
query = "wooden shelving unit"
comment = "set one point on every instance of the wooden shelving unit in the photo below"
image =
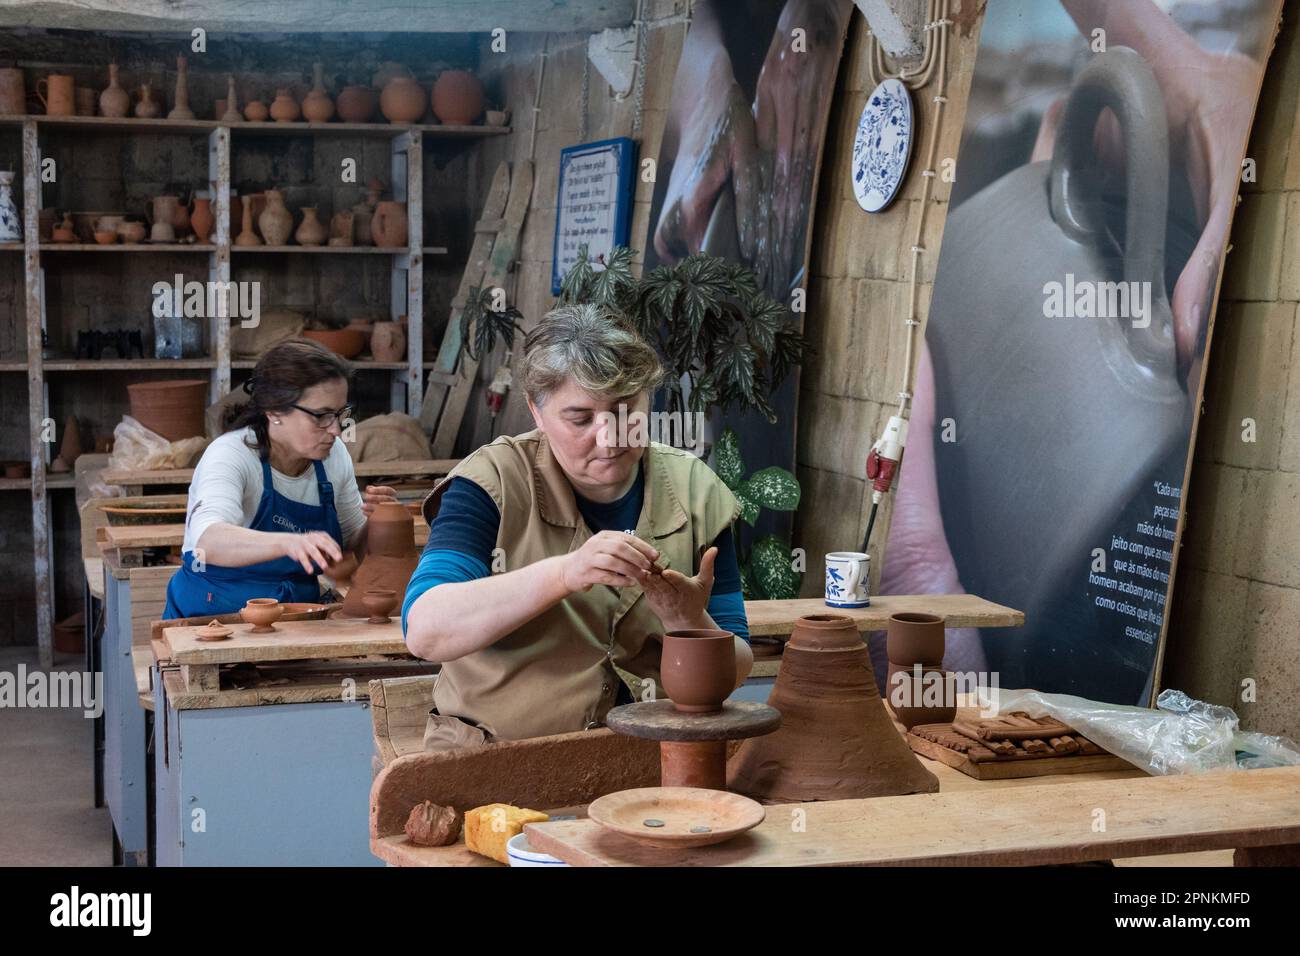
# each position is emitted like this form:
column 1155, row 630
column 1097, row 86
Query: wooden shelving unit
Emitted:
column 406, row 286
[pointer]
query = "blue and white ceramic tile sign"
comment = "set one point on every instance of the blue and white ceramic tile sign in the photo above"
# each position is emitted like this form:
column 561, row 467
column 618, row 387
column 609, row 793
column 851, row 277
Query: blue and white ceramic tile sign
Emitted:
column 11, row 228
column 883, row 146
column 593, row 205
column 848, row 578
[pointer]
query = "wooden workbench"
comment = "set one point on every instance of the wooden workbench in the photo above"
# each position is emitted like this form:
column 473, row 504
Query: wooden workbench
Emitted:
column 142, row 478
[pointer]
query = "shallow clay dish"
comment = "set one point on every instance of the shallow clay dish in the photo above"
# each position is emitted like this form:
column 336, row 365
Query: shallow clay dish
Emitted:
column 298, row 607
column 690, row 816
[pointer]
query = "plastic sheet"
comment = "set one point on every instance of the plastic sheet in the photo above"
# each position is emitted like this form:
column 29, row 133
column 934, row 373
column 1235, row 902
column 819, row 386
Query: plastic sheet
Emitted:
column 137, row 448
column 1181, row 735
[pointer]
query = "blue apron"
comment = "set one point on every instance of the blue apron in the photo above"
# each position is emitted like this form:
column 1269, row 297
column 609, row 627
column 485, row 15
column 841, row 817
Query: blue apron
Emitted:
column 218, row 590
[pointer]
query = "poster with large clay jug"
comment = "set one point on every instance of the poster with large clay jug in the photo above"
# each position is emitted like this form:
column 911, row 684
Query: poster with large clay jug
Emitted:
column 1058, row 396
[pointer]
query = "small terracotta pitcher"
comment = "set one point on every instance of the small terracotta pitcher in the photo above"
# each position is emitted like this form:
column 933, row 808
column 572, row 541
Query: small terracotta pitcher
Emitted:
column 59, row 98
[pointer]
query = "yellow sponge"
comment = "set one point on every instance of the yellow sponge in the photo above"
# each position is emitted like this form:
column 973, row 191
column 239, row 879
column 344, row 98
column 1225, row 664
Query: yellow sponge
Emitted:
column 487, row 829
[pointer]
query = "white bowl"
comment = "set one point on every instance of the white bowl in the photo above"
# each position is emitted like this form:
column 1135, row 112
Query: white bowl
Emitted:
column 521, row 854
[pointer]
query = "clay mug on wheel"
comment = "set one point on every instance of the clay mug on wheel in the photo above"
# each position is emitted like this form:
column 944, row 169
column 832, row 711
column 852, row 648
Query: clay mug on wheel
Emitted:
column 262, row 613
column 698, row 669
column 379, row 601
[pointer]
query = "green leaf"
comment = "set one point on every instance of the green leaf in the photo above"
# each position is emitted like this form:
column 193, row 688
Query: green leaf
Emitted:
column 729, row 463
column 738, row 363
column 774, row 488
column 574, row 285
column 749, row 507
column 773, row 569
column 749, row 589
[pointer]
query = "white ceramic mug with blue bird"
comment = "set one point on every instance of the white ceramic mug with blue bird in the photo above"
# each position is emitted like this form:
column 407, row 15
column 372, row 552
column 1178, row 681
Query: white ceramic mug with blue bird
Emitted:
column 848, row 576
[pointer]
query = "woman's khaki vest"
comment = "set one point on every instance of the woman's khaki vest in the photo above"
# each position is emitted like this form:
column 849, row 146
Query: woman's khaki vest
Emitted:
column 560, row 671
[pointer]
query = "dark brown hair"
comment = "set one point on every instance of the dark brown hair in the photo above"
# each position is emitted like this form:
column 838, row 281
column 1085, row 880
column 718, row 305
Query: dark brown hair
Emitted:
column 280, row 378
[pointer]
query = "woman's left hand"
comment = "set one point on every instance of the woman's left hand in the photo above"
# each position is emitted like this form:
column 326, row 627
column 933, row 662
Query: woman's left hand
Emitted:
column 375, row 495
column 681, row 602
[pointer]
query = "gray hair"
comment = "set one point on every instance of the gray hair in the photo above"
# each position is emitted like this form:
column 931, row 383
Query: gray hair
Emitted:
column 594, row 346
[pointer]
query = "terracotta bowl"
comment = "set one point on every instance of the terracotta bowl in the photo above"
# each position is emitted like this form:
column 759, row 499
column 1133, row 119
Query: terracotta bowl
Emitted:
column 698, row 669
column 345, row 342
column 379, row 601
column 901, row 685
column 262, row 613
column 915, row 639
column 105, row 237
column 677, row 816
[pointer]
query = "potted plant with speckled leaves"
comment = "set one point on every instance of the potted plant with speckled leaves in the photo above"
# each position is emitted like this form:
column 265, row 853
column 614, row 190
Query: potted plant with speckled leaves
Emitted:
column 766, row 568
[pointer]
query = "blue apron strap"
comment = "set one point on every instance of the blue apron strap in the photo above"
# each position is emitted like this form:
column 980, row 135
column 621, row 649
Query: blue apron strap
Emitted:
column 325, row 489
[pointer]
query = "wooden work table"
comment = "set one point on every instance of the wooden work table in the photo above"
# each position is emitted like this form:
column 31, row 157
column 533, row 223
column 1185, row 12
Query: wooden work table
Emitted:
column 141, row 478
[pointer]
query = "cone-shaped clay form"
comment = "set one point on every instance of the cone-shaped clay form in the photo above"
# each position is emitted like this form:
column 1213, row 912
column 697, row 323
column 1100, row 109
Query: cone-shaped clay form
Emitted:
column 836, row 741
column 390, row 559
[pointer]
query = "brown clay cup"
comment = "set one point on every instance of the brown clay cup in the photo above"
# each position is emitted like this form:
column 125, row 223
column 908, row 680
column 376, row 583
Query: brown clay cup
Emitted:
column 906, row 695
column 915, row 638
column 262, row 613
column 379, row 601
column 698, row 669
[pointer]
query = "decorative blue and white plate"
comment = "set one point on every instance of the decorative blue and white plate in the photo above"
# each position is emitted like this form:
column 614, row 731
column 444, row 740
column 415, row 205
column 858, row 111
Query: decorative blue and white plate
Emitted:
column 883, row 145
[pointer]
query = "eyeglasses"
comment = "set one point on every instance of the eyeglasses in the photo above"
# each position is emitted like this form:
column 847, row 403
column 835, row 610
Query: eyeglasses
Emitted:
column 326, row 419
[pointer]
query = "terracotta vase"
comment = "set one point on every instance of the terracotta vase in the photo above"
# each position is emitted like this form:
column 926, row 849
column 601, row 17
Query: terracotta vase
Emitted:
column 458, row 98
column 255, row 111
column 201, row 219
column 173, row 409
column 317, row 106
column 247, row 237
column 148, row 106
column 698, row 669
column 276, row 221
column 59, row 98
column 356, row 104
column 836, row 740
column 388, row 342
column 388, row 225
column 86, row 99
column 13, row 92
column 915, row 639
column 284, row 108
column 182, row 111
column 64, row 231
column 161, row 218
column 114, row 101
column 231, row 113
column 311, row 232
column 71, row 448
column 403, row 100
column 390, row 559
column 341, row 226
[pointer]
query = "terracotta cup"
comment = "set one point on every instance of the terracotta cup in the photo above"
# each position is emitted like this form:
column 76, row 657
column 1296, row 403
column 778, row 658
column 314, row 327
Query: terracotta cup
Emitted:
column 379, row 601
column 915, row 639
column 262, row 613
column 59, row 96
column 908, row 696
column 698, row 669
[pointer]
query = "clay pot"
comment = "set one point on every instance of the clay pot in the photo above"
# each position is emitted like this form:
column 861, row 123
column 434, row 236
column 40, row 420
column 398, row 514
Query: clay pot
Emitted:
column 311, row 232
column 148, row 106
column 341, row 226
column 202, row 220
column 388, row 224
column 379, row 601
column 64, row 231
column 182, row 111
column 59, row 98
column 276, row 221
column 262, row 613
column 906, row 695
column 131, row 232
column 388, row 342
column 284, row 109
column 391, row 556
column 105, row 237
column 13, row 92
column 247, row 237
column 403, row 100
column 458, row 98
column 231, row 113
column 114, row 101
column 836, row 740
column 496, row 117
column 345, row 342
column 341, row 571
column 256, row 112
column 915, row 639
column 172, row 409
column 698, row 669
column 86, row 99
column 317, row 106
column 162, row 218
column 107, row 224
column 356, row 104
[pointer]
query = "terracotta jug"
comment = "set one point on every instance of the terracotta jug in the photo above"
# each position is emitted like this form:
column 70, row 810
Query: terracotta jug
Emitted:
column 247, row 237
column 231, row 113
column 388, row 342
column 403, row 100
column 148, row 106
column 284, row 108
column 201, row 219
column 388, row 225
column 182, row 111
column 161, row 218
column 1115, row 409
column 341, row 229
column 390, row 559
column 276, row 221
column 114, row 101
column 836, row 741
column 317, row 106
column 356, row 104
column 311, row 232
column 58, row 98
column 458, row 98
column 13, row 92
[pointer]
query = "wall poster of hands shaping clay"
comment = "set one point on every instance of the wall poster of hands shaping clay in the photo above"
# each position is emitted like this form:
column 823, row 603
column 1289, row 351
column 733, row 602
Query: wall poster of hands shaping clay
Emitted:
column 1056, row 401
column 737, row 169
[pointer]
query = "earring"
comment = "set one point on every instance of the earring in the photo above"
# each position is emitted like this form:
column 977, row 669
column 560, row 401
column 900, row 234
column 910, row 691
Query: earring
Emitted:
column 278, row 422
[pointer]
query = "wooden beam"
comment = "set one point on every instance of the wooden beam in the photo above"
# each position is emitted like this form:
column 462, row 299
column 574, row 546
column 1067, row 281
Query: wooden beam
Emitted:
column 322, row 16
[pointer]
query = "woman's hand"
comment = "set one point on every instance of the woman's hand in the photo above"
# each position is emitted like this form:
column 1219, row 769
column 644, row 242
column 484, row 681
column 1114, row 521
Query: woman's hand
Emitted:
column 375, row 495
column 610, row 557
column 313, row 550
column 678, row 601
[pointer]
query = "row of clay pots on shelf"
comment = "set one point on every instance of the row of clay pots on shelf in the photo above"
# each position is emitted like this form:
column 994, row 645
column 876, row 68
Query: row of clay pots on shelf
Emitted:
column 387, row 339
column 387, row 224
